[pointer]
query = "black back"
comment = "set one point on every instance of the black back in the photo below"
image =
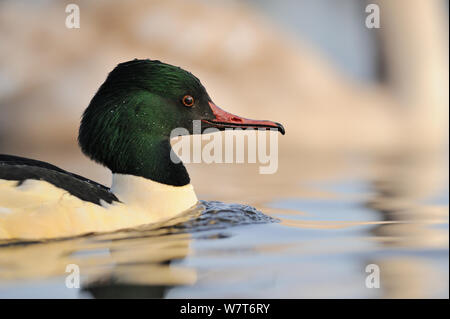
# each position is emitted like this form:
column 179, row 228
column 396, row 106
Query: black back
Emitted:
column 20, row 169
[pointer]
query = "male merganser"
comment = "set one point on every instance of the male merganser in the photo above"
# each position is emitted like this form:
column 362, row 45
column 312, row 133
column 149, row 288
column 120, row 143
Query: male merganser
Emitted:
column 127, row 128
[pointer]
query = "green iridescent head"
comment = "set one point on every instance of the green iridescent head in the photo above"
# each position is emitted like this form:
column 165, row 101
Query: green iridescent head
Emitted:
column 128, row 123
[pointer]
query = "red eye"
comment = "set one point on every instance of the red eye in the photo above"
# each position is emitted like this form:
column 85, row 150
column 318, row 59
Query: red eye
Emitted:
column 188, row 100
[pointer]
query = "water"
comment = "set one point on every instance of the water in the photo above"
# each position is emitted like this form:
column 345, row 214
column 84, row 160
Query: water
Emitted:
column 316, row 242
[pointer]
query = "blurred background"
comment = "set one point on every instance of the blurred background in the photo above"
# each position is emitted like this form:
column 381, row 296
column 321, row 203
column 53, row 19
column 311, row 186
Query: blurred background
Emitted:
column 336, row 85
column 357, row 103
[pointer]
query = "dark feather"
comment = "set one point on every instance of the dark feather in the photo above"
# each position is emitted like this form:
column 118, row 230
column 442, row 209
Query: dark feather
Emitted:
column 20, row 169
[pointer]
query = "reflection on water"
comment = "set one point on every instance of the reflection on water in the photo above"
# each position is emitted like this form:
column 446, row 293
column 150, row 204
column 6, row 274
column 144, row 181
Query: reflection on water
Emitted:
column 394, row 213
column 403, row 185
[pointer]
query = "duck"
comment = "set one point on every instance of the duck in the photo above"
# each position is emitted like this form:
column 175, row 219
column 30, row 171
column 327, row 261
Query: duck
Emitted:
column 127, row 128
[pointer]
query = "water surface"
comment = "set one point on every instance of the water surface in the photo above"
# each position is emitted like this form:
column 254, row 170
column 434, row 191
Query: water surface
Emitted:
column 310, row 235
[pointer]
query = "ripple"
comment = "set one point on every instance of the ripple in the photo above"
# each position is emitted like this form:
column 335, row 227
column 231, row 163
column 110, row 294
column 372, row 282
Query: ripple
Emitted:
column 206, row 215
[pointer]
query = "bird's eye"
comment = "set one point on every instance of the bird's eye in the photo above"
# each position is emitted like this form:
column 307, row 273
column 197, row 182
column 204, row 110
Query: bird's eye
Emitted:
column 188, row 100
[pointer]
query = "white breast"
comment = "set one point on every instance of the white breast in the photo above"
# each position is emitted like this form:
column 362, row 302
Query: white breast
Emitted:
column 163, row 201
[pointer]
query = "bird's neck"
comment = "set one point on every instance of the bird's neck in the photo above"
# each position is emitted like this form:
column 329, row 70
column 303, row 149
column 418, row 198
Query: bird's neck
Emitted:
column 153, row 181
column 152, row 160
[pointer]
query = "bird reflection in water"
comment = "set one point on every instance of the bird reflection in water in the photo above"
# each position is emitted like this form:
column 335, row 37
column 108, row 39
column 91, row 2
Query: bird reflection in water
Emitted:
column 138, row 263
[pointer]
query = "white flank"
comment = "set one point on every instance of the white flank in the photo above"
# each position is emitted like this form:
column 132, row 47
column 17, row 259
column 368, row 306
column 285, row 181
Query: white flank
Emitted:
column 38, row 209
